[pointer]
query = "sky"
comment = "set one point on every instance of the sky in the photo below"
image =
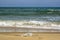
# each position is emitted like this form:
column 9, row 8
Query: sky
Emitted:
column 29, row 3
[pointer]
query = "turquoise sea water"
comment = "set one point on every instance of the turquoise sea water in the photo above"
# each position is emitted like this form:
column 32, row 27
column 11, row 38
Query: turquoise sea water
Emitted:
column 30, row 13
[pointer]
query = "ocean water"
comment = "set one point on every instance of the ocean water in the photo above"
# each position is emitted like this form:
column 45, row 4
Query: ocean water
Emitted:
column 31, row 15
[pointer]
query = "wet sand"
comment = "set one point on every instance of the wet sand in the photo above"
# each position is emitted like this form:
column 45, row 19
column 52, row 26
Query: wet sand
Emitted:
column 35, row 36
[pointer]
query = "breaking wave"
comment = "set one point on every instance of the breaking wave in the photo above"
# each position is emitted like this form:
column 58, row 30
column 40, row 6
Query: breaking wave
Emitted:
column 28, row 24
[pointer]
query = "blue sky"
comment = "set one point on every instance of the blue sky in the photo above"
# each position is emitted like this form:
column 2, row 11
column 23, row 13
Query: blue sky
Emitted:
column 29, row 3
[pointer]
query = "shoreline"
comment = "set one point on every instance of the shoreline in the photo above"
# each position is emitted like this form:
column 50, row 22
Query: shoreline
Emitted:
column 26, row 29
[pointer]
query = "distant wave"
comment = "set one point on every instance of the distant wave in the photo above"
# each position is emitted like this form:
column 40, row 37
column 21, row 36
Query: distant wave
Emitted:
column 30, row 12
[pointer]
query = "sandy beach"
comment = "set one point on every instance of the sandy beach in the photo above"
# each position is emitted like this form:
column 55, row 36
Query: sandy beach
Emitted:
column 35, row 36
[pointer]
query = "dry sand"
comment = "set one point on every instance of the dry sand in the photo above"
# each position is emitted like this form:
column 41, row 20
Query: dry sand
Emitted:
column 36, row 36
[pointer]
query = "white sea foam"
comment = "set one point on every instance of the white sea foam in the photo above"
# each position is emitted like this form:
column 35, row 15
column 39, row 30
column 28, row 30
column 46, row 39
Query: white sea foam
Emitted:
column 6, row 23
column 28, row 24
